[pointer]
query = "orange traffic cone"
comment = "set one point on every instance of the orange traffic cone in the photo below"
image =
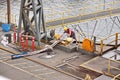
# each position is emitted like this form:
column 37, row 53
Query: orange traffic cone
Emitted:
column 33, row 42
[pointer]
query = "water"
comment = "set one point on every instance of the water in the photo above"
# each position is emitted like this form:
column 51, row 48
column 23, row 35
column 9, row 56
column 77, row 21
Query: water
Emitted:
column 104, row 27
column 57, row 7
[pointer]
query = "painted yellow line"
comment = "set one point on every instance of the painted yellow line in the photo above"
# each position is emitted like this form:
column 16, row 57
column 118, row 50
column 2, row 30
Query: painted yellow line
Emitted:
column 22, row 70
column 1, row 47
column 115, row 68
column 89, row 61
column 115, row 61
column 108, row 74
column 92, row 69
column 83, row 65
column 116, row 77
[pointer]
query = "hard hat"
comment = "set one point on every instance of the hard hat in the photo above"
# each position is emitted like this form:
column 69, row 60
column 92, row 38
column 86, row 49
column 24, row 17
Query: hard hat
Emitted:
column 69, row 39
column 65, row 28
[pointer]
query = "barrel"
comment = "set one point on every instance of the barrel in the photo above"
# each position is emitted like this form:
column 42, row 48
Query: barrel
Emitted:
column 6, row 27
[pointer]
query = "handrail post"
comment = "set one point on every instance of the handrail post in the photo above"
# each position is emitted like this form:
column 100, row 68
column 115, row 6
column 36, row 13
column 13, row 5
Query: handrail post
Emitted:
column 15, row 19
column 101, row 47
column 94, row 43
column 113, row 4
column 12, row 18
column 116, row 40
column 5, row 18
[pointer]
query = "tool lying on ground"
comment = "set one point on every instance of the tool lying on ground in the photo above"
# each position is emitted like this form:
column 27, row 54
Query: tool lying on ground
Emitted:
column 47, row 48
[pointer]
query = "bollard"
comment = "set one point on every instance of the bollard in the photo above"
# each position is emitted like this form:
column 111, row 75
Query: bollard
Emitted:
column 116, row 41
column 14, row 35
column 22, row 43
column 26, row 41
column 33, row 46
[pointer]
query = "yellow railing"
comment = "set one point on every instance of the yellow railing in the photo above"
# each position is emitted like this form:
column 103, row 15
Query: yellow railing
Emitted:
column 3, row 18
column 84, row 11
column 111, row 66
column 105, row 42
column 13, row 18
column 53, row 16
column 112, row 42
column 63, row 17
column 116, row 77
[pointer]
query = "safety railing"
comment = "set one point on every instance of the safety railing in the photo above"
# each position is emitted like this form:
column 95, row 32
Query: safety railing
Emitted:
column 83, row 11
column 103, row 6
column 13, row 18
column 116, row 77
column 3, row 18
column 113, row 42
column 103, row 44
column 113, row 67
column 78, row 12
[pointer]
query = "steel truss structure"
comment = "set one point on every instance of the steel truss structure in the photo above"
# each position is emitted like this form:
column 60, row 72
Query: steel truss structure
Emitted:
column 34, row 24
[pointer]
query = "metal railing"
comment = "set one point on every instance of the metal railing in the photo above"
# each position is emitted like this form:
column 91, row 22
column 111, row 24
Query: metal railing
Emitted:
column 80, row 12
column 105, row 42
column 13, row 18
column 110, row 66
column 3, row 18
column 63, row 17
column 116, row 77
column 83, row 11
column 113, row 43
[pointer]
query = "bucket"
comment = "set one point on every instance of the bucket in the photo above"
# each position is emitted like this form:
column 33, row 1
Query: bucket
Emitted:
column 6, row 27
